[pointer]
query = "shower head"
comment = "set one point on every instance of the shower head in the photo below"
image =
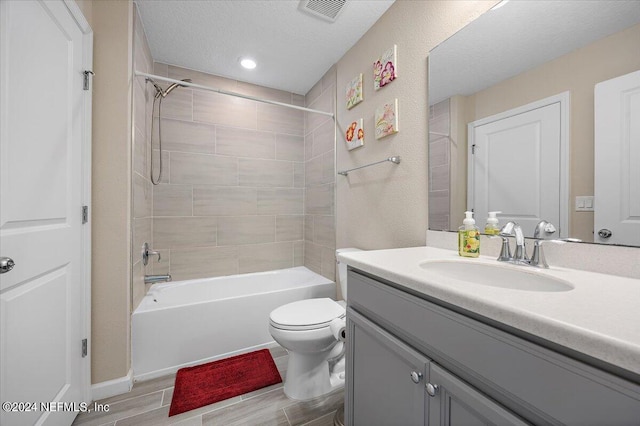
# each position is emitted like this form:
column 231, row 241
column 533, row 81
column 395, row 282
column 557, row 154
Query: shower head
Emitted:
column 174, row 85
column 158, row 88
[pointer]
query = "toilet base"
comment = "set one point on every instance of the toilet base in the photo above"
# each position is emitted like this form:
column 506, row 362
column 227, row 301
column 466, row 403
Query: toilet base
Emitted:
column 309, row 376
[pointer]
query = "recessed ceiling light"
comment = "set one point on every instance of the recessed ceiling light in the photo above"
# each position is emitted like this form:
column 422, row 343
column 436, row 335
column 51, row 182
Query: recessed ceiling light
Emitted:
column 248, row 63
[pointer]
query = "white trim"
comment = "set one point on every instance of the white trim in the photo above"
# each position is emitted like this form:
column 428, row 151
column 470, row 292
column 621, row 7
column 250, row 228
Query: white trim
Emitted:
column 87, row 59
column 564, row 99
column 113, row 387
column 77, row 15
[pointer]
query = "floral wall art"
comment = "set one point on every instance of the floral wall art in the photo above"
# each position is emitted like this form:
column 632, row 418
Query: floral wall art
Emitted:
column 385, row 69
column 354, row 92
column 355, row 135
column 386, row 119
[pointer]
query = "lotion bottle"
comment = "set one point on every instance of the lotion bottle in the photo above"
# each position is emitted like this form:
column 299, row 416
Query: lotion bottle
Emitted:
column 491, row 228
column 469, row 237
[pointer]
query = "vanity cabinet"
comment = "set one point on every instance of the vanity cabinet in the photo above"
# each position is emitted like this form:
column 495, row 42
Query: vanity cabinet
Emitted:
column 392, row 384
column 413, row 361
column 389, row 389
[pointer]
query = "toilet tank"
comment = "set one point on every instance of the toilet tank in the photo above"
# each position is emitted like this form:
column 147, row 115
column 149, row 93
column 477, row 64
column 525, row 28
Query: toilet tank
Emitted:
column 342, row 271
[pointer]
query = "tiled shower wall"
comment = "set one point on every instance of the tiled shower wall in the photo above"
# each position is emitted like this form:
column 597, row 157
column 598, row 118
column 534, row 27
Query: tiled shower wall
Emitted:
column 232, row 194
column 320, row 175
column 439, row 165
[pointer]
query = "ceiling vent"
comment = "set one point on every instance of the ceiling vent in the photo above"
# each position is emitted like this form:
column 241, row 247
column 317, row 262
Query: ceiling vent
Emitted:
column 324, row 9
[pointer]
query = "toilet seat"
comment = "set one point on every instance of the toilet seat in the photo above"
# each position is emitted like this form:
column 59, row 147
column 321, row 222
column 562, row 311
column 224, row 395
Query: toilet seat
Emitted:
column 310, row 314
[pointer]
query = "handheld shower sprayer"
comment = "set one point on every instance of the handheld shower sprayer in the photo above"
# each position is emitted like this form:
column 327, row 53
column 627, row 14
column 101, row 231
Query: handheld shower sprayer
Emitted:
column 160, row 94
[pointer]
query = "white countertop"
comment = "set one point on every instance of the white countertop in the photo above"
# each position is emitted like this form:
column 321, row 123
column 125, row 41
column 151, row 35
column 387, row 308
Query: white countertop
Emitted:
column 600, row 317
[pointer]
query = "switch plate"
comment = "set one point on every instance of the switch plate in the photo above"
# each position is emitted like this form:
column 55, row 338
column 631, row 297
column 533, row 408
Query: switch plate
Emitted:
column 584, row 203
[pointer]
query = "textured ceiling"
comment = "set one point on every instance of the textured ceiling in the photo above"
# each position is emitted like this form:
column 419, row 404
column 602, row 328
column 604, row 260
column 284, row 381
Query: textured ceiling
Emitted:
column 520, row 35
column 292, row 48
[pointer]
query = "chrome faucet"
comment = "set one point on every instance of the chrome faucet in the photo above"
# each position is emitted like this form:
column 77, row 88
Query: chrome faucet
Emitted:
column 152, row 279
column 520, row 254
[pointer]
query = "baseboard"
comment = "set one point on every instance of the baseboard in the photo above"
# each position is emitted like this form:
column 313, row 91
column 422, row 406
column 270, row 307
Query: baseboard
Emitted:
column 113, row 387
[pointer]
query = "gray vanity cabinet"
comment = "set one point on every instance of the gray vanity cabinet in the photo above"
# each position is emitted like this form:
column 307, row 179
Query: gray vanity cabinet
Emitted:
column 387, row 380
column 482, row 374
column 392, row 384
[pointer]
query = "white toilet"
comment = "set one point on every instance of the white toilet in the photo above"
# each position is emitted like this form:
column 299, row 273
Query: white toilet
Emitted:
column 312, row 331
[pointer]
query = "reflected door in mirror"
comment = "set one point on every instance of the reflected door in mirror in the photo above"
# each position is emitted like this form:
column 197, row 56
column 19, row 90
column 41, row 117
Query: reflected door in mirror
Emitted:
column 515, row 162
column 617, row 149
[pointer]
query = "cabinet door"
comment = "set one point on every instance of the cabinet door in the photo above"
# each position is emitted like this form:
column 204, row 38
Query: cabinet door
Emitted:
column 455, row 403
column 386, row 377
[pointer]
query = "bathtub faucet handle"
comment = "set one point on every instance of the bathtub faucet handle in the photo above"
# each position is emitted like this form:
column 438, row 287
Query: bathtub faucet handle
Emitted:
column 146, row 252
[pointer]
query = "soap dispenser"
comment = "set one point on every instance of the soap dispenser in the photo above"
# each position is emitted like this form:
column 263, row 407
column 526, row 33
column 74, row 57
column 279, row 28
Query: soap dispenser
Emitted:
column 469, row 237
column 491, row 228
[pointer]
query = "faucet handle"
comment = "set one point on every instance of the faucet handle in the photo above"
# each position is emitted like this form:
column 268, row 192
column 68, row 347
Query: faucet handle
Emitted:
column 146, row 252
column 544, row 228
column 507, row 229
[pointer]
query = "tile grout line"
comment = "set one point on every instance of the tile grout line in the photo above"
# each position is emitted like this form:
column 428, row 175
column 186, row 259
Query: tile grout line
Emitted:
column 286, row 417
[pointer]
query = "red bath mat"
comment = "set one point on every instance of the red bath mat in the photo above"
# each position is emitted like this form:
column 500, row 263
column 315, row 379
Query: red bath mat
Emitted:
column 215, row 381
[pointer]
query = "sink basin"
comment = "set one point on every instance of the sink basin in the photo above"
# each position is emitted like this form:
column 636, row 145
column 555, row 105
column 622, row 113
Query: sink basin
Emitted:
column 511, row 277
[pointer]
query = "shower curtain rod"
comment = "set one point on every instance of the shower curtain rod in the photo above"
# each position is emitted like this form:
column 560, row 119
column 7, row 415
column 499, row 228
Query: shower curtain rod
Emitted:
column 224, row 92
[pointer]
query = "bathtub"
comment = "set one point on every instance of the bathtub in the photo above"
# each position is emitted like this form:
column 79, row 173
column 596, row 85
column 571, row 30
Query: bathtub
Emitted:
column 185, row 323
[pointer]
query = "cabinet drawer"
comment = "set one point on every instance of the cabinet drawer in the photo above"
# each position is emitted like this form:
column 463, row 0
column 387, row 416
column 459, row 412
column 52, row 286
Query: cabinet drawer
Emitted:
column 535, row 382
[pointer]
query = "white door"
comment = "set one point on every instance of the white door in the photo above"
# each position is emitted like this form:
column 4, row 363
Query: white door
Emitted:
column 515, row 165
column 617, row 160
column 43, row 310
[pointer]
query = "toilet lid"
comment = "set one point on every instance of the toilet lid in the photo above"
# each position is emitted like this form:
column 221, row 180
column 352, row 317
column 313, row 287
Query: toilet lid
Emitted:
column 310, row 313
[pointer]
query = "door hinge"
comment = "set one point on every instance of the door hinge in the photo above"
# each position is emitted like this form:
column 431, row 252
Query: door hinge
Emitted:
column 473, row 149
column 85, row 84
column 85, row 214
column 85, row 349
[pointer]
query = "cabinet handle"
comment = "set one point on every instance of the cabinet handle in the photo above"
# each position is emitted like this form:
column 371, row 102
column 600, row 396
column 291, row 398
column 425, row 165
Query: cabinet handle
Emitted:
column 7, row 264
column 416, row 376
column 432, row 389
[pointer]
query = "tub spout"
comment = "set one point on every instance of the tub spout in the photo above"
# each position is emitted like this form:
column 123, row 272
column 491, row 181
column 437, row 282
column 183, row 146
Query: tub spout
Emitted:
column 152, row 279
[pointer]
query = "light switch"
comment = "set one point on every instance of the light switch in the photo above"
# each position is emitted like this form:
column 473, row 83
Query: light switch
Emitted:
column 584, row 203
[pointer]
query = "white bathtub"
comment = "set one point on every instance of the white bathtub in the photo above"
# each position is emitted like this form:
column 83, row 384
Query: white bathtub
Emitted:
column 184, row 323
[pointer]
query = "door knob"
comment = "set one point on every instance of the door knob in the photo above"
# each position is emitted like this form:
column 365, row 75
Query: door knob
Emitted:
column 416, row 376
column 604, row 233
column 6, row 264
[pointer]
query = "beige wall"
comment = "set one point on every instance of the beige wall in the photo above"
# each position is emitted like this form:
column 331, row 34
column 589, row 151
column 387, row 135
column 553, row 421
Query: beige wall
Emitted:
column 320, row 178
column 386, row 205
column 576, row 72
column 111, row 163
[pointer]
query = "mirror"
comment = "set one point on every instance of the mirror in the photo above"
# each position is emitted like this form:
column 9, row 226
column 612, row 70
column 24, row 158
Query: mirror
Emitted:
column 514, row 55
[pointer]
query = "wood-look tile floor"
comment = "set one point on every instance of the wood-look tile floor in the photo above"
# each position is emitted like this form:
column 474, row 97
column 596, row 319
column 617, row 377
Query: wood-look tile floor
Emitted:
column 148, row 405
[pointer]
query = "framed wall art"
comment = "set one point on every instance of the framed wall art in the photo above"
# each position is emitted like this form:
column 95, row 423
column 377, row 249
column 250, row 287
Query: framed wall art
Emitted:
column 386, row 119
column 354, row 136
column 385, row 69
column 353, row 92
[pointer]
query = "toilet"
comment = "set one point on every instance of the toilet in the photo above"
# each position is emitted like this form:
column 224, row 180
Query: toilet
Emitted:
column 313, row 332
